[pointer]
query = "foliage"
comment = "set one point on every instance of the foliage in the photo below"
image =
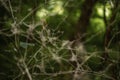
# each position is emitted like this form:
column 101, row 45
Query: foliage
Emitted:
column 35, row 41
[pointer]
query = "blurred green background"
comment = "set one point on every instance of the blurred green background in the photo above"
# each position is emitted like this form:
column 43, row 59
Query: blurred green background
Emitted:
column 38, row 38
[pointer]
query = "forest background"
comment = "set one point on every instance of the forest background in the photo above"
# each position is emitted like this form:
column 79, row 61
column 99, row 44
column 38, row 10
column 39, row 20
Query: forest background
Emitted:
column 59, row 39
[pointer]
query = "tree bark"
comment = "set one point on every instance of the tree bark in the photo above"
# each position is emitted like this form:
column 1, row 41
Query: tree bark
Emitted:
column 83, row 22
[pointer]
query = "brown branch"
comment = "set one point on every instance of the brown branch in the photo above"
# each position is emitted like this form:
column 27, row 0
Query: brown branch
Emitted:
column 109, row 28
